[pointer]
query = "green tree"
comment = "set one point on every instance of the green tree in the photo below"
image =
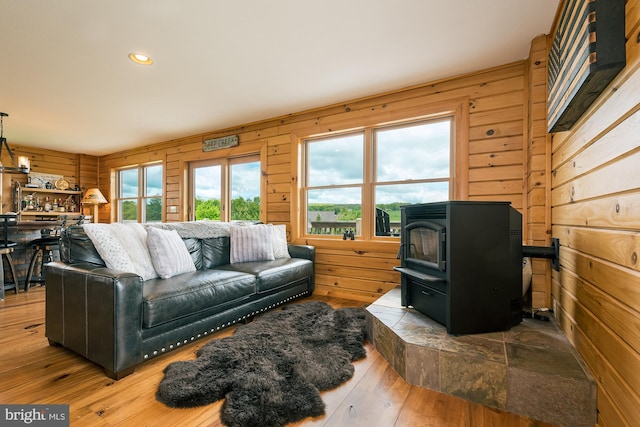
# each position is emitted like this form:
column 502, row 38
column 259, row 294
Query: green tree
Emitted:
column 154, row 210
column 129, row 210
column 207, row 209
column 349, row 214
column 245, row 209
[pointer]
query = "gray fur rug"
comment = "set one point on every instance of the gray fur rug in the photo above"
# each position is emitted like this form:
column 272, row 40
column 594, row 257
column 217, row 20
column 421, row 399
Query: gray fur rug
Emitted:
column 271, row 370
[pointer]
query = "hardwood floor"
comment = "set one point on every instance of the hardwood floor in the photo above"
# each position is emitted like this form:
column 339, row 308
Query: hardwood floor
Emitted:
column 32, row 372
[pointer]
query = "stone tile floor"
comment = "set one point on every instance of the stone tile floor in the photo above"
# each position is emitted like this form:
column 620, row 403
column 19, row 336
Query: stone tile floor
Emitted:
column 531, row 369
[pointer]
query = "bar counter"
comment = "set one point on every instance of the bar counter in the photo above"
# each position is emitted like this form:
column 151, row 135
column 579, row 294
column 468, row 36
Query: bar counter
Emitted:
column 37, row 225
column 23, row 234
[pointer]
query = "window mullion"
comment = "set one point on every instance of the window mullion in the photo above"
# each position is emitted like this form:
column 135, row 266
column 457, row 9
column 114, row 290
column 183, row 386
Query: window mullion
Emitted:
column 367, row 187
column 225, row 199
column 141, row 187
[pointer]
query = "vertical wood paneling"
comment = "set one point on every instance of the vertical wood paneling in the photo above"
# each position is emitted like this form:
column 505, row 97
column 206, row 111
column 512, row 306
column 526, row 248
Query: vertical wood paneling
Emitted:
column 87, row 171
column 538, row 222
column 88, row 178
column 594, row 200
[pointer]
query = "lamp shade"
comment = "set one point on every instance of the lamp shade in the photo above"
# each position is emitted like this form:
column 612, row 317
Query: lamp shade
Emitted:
column 93, row 196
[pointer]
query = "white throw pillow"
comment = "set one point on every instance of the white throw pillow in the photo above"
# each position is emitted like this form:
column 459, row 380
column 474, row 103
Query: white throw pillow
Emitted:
column 133, row 237
column 122, row 247
column 279, row 241
column 169, row 254
column 109, row 247
column 250, row 243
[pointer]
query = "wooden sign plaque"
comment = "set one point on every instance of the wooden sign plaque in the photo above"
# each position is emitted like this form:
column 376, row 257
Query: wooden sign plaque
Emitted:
column 219, row 143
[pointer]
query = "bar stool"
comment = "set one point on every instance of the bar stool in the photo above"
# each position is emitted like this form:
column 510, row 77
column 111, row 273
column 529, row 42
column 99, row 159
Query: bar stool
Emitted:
column 42, row 250
column 6, row 248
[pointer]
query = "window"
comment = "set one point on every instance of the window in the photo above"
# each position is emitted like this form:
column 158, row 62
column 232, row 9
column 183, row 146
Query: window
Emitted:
column 357, row 182
column 226, row 189
column 139, row 191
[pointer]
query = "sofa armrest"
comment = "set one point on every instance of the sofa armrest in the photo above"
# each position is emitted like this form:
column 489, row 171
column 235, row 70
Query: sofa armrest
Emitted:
column 96, row 312
column 302, row 251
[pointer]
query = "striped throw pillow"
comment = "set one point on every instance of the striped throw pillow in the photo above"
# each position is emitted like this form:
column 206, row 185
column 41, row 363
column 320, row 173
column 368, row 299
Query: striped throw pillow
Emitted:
column 250, row 243
column 169, row 254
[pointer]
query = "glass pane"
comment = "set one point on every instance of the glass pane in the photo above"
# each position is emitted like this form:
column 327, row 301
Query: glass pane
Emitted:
column 423, row 244
column 129, row 183
column 413, row 152
column 389, row 198
column 128, row 211
column 207, row 186
column 153, row 210
column 245, row 191
column 153, row 180
column 335, row 161
column 334, row 211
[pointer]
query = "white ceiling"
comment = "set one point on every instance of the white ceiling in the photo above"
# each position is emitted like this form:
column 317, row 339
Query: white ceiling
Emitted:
column 67, row 84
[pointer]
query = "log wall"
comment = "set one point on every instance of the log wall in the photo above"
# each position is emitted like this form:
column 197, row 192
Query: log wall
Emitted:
column 49, row 161
column 77, row 169
column 595, row 207
column 491, row 126
column 583, row 186
column 537, row 172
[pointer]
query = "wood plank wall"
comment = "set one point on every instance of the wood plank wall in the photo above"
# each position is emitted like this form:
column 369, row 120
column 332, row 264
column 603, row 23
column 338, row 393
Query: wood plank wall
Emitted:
column 490, row 140
column 596, row 215
column 537, row 170
column 75, row 168
column 593, row 191
column 496, row 126
column 49, row 161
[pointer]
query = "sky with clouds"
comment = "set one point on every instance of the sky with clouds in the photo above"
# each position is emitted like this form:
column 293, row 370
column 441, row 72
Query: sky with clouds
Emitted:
column 245, row 181
column 421, row 151
column 417, row 152
column 129, row 181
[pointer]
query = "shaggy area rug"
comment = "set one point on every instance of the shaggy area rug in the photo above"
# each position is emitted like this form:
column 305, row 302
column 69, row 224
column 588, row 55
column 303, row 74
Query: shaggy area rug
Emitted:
column 271, row 370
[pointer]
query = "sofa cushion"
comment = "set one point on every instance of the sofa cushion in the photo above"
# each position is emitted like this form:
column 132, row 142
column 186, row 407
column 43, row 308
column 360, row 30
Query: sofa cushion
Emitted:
column 77, row 247
column 122, row 247
column 279, row 241
column 215, row 252
column 250, row 243
column 275, row 274
column 169, row 253
column 194, row 246
column 165, row 300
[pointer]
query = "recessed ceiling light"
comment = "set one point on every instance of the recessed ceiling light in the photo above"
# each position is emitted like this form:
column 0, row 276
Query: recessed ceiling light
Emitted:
column 140, row 58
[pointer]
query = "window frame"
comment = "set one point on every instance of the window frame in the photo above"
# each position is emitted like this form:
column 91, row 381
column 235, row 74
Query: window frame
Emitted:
column 226, row 163
column 370, row 182
column 141, row 198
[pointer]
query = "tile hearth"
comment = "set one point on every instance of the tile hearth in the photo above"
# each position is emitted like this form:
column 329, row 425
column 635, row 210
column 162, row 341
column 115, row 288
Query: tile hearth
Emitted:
column 530, row 370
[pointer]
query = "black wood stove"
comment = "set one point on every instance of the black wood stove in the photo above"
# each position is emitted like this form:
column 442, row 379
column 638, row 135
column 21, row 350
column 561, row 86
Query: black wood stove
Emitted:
column 461, row 264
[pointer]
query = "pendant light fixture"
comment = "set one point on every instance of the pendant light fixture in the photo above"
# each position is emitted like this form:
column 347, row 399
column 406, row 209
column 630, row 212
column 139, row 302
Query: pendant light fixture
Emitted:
column 23, row 165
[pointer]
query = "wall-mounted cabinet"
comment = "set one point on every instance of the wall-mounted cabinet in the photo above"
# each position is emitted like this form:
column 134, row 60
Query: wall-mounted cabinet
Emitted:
column 42, row 203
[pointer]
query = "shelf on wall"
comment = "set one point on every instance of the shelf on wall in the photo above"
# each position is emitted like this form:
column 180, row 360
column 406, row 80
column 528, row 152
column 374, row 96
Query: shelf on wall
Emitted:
column 50, row 213
column 48, row 190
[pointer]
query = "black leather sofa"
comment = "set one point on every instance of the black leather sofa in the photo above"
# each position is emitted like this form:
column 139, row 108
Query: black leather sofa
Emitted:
column 118, row 321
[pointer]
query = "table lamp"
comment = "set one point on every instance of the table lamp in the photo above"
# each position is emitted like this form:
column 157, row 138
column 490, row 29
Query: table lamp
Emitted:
column 94, row 197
